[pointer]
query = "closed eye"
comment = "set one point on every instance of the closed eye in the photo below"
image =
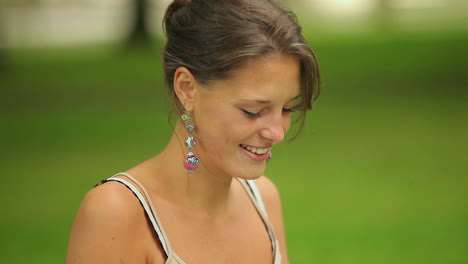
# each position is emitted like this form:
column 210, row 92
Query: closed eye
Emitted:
column 251, row 114
column 289, row 110
column 259, row 114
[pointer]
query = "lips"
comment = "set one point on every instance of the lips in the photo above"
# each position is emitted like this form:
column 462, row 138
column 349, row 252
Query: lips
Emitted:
column 255, row 153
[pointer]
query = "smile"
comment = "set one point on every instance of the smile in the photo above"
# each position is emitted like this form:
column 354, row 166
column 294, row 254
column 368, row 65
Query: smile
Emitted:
column 254, row 150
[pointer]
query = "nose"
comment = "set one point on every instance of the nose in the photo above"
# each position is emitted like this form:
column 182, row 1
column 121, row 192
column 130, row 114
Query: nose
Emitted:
column 274, row 129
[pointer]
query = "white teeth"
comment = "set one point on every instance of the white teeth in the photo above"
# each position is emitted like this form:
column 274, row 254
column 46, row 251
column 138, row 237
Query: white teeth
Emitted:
column 262, row 151
column 255, row 150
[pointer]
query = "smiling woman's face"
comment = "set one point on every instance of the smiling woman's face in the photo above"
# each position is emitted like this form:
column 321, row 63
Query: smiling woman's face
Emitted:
column 241, row 118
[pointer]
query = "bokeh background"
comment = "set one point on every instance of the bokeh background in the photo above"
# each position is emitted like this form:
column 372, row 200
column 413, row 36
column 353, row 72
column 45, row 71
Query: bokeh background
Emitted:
column 378, row 175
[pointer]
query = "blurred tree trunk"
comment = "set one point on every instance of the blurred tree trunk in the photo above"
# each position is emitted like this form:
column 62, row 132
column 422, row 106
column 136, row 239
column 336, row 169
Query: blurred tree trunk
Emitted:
column 3, row 50
column 139, row 33
column 384, row 15
column 3, row 58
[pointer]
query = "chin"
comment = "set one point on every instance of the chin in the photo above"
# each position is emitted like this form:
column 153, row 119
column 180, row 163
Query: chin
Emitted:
column 249, row 173
column 251, row 177
column 247, row 169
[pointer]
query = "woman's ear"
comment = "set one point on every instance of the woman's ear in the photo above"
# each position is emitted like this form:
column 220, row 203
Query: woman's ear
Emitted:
column 185, row 87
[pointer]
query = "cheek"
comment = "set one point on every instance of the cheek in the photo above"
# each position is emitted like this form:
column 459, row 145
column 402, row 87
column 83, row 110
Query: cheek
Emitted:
column 214, row 124
column 222, row 128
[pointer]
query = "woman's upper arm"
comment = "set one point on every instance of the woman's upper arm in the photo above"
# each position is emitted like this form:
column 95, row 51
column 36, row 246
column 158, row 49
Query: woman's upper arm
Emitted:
column 272, row 202
column 104, row 227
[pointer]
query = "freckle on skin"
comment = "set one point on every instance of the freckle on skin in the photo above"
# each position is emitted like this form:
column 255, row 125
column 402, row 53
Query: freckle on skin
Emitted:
column 113, row 238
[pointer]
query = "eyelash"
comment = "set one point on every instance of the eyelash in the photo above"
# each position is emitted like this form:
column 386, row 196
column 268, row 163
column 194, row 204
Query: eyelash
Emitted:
column 259, row 114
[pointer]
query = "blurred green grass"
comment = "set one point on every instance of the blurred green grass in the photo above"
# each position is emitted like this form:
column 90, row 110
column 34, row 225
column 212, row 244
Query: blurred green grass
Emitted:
column 378, row 175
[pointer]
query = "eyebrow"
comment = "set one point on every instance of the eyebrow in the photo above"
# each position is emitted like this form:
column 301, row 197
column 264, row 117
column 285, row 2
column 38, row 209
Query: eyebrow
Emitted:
column 267, row 101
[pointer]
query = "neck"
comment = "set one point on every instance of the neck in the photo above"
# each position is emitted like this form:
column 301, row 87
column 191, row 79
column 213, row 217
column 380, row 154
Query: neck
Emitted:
column 202, row 189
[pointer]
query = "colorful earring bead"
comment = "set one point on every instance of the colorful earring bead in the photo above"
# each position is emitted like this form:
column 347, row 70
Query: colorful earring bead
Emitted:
column 190, row 142
column 190, row 127
column 191, row 162
column 185, row 117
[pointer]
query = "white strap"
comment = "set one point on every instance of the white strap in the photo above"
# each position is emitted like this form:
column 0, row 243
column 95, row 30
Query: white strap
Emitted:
column 260, row 205
column 278, row 256
column 147, row 209
column 257, row 195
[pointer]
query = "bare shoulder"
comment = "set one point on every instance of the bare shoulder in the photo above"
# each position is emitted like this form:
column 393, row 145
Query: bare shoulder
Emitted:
column 109, row 200
column 271, row 198
column 268, row 190
column 105, row 226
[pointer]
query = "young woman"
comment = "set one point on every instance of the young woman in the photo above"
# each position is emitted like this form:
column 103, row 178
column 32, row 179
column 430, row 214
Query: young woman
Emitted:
column 236, row 70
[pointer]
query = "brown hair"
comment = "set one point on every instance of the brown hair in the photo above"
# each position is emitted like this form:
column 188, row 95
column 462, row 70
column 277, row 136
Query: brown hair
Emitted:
column 212, row 38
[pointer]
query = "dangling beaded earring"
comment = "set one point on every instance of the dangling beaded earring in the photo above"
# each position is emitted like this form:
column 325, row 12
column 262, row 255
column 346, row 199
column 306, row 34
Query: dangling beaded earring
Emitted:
column 190, row 161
